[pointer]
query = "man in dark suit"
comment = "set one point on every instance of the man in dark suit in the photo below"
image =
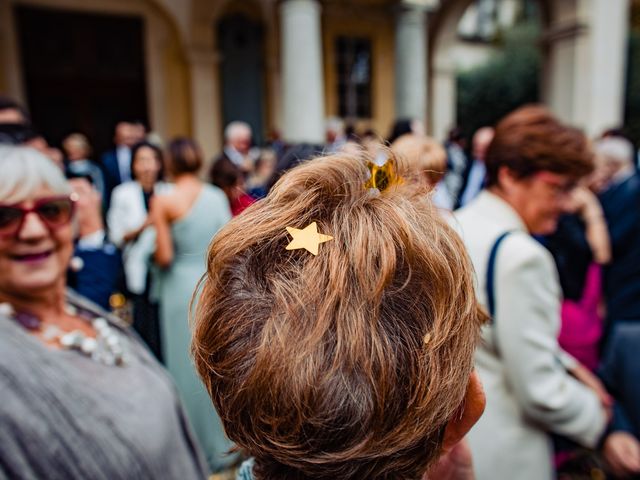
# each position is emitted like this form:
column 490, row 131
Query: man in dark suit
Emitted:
column 476, row 171
column 620, row 371
column 619, row 185
column 237, row 147
column 231, row 168
column 457, row 163
column 116, row 163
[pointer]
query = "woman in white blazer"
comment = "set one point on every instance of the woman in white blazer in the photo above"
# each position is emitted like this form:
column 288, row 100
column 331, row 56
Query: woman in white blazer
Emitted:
column 533, row 388
column 131, row 230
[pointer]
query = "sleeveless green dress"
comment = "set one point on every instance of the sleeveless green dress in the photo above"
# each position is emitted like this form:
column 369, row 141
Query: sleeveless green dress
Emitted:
column 191, row 237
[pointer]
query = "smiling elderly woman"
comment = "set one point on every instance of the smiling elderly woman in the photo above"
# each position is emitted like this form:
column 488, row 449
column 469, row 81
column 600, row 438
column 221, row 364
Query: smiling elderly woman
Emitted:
column 81, row 397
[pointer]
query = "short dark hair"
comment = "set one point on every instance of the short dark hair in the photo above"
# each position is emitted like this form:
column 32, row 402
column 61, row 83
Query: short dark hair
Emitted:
column 531, row 139
column 7, row 103
column 224, row 173
column 400, row 127
column 185, row 156
column 156, row 151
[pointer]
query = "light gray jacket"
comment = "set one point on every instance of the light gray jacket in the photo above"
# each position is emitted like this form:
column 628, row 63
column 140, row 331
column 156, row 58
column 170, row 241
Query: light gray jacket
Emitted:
column 523, row 370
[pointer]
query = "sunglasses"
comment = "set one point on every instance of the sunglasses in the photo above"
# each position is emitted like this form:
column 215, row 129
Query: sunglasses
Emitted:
column 54, row 212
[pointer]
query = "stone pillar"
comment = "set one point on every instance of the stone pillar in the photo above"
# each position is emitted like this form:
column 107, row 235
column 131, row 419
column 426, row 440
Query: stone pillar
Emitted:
column 302, row 73
column 411, row 63
column 443, row 105
column 609, row 30
column 205, row 101
column 585, row 74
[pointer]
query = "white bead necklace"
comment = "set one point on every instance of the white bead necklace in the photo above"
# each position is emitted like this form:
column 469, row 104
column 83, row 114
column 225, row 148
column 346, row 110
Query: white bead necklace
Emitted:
column 106, row 348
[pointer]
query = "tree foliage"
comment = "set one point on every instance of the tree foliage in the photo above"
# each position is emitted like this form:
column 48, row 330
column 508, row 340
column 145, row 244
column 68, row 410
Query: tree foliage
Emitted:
column 509, row 79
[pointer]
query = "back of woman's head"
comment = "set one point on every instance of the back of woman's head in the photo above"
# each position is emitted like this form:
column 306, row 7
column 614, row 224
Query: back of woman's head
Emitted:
column 184, row 156
column 347, row 364
column 225, row 174
column 531, row 139
column 422, row 157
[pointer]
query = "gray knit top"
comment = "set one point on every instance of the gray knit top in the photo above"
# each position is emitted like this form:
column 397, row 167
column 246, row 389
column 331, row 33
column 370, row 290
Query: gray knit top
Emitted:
column 65, row 416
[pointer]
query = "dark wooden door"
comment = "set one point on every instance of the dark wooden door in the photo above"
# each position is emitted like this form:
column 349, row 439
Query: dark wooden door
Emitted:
column 83, row 72
column 242, row 71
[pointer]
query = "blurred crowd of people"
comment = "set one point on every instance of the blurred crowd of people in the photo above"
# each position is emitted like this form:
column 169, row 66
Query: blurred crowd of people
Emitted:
column 550, row 221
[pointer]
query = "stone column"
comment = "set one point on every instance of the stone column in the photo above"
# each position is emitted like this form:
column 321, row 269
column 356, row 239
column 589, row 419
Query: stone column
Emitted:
column 302, row 73
column 443, row 101
column 609, row 29
column 411, row 62
column 205, row 101
column 585, row 71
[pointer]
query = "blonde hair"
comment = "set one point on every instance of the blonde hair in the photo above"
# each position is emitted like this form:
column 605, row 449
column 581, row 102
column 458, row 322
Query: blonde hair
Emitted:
column 423, row 157
column 347, row 364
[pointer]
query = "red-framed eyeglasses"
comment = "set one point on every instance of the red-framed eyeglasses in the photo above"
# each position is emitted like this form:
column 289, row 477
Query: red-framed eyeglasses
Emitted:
column 54, row 212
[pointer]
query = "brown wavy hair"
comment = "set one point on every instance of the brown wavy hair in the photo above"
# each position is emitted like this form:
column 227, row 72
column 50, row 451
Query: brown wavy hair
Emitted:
column 531, row 139
column 348, row 364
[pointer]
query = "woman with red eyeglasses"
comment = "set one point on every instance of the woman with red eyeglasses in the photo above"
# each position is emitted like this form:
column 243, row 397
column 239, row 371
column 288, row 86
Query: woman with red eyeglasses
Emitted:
column 81, row 396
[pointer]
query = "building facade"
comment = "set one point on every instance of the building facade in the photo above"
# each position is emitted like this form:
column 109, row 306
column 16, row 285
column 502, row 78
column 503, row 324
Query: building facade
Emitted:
column 188, row 67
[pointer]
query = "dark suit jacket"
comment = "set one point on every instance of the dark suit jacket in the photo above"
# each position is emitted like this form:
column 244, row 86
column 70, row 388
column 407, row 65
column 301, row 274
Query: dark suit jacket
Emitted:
column 621, row 205
column 100, row 275
column 110, row 173
column 620, row 371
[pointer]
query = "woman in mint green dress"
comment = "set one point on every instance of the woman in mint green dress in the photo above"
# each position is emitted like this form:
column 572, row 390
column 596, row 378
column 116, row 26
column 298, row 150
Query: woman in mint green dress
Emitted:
column 185, row 222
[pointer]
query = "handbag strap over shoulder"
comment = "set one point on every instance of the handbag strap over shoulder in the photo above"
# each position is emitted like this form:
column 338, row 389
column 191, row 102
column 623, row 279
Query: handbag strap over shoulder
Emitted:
column 491, row 267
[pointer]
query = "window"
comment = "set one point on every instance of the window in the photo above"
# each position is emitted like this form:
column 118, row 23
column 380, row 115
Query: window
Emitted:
column 354, row 77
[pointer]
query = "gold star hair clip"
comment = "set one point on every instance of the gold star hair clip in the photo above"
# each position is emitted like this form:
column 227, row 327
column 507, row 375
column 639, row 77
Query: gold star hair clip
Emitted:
column 383, row 173
column 307, row 238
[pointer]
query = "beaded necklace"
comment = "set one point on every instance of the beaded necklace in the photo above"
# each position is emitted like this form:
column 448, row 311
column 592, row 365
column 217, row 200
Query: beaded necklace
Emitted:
column 106, row 348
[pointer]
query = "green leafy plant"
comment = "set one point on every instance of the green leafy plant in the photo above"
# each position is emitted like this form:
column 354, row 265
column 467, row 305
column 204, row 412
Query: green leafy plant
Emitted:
column 509, row 79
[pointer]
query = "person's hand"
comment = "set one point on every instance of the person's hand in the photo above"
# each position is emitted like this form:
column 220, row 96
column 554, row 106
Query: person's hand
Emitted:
column 133, row 235
column 584, row 203
column 456, row 464
column 584, row 375
column 622, row 453
column 88, row 206
column 88, row 196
